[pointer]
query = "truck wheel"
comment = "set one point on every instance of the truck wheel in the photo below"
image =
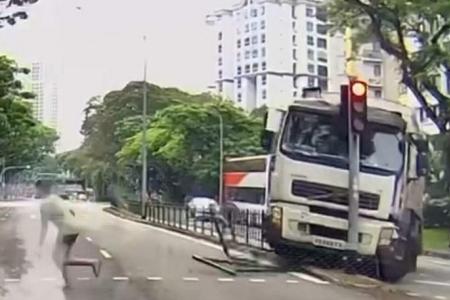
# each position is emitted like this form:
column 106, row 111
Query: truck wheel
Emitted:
column 393, row 268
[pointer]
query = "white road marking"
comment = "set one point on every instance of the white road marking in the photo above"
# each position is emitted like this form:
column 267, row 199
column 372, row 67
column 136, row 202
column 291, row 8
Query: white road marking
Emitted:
column 225, row 279
column 440, row 297
column 308, row 278
column 83, row 278
column 292, row 281
column 48, row 279
column 257, row 280
column 432, row 282
column 88, row 239
column 413, row 294
column 154, row 278
column 12, row 280
column 105, row 254
column 190, row 279
column 440, row 263
column 120, row 278
column 33, row 217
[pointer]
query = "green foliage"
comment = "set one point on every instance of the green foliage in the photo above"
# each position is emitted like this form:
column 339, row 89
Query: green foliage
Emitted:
column 394, row 24
column 182, row 139
column 23, row 140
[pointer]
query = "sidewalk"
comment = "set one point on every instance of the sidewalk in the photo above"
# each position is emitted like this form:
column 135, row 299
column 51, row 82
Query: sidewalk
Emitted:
column 438, row 253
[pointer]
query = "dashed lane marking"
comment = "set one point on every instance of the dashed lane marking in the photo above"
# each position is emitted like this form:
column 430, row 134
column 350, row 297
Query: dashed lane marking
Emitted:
column 309, row 278
column 105, row 254
column 413, row 294
column 83, row 278
column 225, row 279
column 257, row 280
column 121, row 278
column 190, row 279
column 88, row 239
column 12, row 280
column 154, row 278
column 429, row 282
column 292, row 281
column 440, row 297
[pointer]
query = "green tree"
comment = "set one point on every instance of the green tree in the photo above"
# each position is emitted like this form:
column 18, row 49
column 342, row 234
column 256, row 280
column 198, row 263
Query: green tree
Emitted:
column 183, row 145
column 394, row 23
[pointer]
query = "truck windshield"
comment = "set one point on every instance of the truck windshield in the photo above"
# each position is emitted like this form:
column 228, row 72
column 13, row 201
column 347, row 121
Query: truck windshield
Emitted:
column 323, row 137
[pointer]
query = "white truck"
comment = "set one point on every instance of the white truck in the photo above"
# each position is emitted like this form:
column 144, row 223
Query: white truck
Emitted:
column 309, row 179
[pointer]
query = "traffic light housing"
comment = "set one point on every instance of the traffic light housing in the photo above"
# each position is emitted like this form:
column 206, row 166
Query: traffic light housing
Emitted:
column 357, row 96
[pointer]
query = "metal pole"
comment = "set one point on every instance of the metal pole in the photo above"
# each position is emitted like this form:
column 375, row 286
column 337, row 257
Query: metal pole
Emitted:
column 144, row 142
column 353, row 191
column 221, row 161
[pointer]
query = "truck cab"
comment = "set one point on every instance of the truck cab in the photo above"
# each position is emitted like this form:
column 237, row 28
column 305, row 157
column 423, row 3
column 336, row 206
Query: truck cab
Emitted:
column 309, row 183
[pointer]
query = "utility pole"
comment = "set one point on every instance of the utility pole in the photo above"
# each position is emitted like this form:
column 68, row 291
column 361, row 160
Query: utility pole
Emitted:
column 144, row 141
column 221, row 159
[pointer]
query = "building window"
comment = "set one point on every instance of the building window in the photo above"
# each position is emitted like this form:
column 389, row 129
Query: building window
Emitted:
column 321, row 14
column 322, row 71
column 294, row 39
column 322, row 56
column 310, row 26
column 264, row 80
column 309, row 12
column 220, row 61
column 254, row 13
column 220, row 36
column 310, row 40
column 247, row 69
column 247, row 28
column 255, row 53
column 239, row 70
column 311, row 68
column 247, row 41
column 239, row 83
column 254, row 26
column 239, row 97
column 263, row 66
column 263, row 38
column 264, row 94
column 239, row 43
column 322, row 29
column 294, row 68
column 323, row 84
column 238, row 56
column 263, row 10
column 294, row 54
column 255, row 67
column 294, row 94
column 254, row 40
column 263, row 24
column 294, row 82
column 377, row 93
column 247, row 54
column 293, row 12
column 220, row 87
column 322, row 43
column 263, row 52
column 310, row 54
column 220, row 49
column 377, row 70
column 220, row 74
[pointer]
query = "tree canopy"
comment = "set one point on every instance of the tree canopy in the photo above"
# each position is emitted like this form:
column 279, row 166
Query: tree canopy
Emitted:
column 182, row 140
column 395, row 24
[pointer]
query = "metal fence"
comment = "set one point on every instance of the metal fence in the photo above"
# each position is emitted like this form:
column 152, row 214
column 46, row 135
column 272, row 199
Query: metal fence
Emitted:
column 240, row 226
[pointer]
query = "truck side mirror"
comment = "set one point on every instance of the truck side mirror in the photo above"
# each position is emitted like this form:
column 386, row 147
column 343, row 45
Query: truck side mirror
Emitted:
column 266, row 140
column 422, row 164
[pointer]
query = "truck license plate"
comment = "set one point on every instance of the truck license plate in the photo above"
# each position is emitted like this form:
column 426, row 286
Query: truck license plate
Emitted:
column 329, row 243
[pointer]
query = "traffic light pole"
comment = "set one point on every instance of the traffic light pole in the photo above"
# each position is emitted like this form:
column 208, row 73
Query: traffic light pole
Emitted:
column 353, row 182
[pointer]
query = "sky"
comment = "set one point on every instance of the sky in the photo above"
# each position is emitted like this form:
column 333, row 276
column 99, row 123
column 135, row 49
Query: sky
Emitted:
column 95, row 46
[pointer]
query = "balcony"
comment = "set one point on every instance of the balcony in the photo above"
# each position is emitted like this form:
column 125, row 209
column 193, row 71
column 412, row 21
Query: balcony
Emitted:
column 370, row 55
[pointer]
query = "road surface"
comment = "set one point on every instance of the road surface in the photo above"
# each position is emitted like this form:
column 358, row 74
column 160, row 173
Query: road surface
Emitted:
column 139, row 262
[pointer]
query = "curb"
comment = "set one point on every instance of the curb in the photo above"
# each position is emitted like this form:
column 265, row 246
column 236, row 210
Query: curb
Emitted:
column 433, row 253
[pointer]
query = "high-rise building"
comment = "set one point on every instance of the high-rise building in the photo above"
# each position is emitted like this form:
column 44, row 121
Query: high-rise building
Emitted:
column 45, row 103
column 268, row 51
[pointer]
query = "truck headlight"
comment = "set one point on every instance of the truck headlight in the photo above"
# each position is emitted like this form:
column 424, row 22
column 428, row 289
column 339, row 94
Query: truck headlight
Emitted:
column 277, row 213
column 386, row 236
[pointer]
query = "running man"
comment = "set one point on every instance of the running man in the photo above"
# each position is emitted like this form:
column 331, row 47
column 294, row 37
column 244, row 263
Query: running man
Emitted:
column 62, row 215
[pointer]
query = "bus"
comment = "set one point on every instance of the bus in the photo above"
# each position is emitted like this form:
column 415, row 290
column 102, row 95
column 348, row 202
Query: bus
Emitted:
column 245, row 182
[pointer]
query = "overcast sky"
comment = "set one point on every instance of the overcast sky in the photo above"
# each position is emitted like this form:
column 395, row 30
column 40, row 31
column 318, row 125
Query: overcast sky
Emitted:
column 100, row 47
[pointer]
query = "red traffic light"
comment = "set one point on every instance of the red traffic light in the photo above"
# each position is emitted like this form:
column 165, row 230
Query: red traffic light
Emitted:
column 358, row 105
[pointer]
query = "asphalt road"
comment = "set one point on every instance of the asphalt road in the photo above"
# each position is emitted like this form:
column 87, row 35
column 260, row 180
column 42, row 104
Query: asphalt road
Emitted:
column 139, row 262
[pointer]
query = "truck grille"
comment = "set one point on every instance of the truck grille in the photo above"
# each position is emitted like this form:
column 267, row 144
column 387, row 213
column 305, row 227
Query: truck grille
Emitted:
column 332, row 233
column 332, row 194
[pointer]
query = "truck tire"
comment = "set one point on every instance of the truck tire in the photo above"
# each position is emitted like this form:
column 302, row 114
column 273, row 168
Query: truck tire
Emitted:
column 394, row 268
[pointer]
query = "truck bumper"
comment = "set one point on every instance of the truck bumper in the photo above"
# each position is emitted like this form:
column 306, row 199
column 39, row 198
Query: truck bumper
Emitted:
column 301, row 228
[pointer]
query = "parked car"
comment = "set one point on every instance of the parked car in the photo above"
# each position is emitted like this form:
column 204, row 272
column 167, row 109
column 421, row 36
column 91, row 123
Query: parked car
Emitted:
column 200, row 207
